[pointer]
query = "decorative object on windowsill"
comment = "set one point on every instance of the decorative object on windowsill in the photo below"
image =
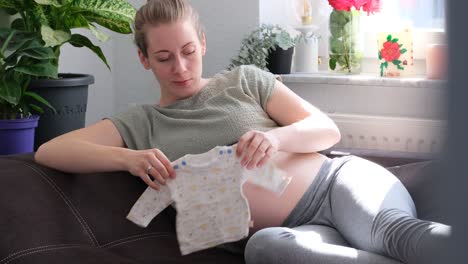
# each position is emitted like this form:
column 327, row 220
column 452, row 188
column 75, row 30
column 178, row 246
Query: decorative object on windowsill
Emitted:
column 51, row 22
column 306, row 55
column 306, row 51
column 269, row 47
column 346, row 40
column 306, row 17
column 395, row 53
column 436, row 61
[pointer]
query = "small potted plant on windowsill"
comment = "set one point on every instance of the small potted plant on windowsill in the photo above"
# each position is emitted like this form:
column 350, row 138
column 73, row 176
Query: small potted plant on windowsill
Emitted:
column 269, row 47
column 53, row 21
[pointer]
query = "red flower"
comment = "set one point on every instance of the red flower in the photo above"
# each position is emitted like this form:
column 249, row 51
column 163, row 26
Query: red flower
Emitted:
column 371, row 6
column 342, row 5
column 390, row 51
column 359, row 3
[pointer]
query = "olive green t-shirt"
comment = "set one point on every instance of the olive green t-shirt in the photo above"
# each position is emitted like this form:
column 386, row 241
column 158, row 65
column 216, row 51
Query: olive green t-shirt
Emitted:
column 232, row 103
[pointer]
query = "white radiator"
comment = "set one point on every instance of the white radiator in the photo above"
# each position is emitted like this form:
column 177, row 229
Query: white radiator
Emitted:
column 391, row 133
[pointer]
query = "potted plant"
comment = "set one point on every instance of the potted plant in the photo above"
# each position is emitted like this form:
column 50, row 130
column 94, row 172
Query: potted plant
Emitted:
column 269, row 47
column 22, row 57
column 53, row 21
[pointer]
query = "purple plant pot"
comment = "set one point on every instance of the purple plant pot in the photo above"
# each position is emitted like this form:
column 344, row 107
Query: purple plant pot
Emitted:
column 17, row 136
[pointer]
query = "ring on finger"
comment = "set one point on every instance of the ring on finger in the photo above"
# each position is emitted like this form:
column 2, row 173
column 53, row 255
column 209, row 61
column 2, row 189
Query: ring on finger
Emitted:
column 149, row 169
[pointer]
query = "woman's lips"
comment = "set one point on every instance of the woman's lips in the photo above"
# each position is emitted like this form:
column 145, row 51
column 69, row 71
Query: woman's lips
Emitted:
column 183, row 83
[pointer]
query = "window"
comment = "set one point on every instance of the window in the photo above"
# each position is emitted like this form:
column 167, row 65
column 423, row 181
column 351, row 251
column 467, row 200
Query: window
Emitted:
column 425, row 14
column 425, row 17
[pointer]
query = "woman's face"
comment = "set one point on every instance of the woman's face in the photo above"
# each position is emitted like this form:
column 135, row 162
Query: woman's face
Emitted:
column 175, row 57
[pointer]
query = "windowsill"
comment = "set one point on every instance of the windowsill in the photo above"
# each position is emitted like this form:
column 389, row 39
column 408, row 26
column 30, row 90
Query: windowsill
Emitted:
column 364, row 79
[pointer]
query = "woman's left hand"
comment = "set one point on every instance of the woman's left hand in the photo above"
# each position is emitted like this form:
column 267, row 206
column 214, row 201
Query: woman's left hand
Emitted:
column 255, row 148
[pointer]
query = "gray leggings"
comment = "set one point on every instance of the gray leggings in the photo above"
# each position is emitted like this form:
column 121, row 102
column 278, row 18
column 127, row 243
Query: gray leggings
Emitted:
column 352, row 202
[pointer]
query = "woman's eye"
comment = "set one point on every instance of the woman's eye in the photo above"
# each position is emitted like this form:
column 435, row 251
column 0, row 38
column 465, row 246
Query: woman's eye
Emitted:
column 188, row 52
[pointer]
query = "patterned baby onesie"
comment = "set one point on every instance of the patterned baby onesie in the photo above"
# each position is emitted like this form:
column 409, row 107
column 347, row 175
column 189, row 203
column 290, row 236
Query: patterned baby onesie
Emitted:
column 207, row 194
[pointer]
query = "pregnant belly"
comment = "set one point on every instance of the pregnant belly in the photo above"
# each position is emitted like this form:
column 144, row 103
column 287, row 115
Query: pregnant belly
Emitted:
column 267, row 208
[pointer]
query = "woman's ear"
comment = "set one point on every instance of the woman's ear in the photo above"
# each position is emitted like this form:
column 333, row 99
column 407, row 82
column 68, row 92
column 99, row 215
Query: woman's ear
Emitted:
column 203, row 44
column 143, row 59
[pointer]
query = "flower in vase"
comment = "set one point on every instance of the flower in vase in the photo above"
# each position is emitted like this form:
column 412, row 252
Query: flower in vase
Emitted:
column 345, row 49
column 342, row 5
column 390, row 53
column 369, row 6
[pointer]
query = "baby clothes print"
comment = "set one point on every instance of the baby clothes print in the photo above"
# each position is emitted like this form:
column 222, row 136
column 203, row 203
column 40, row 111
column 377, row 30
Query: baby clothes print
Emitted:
column 207, row 194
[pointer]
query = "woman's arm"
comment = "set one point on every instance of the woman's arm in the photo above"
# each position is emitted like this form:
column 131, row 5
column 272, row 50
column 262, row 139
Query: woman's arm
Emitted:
column 100, row 148
column 96, row 148
column 303, row 129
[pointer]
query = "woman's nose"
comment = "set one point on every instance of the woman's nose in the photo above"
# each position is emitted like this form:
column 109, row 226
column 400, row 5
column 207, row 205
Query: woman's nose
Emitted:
column 179, row 65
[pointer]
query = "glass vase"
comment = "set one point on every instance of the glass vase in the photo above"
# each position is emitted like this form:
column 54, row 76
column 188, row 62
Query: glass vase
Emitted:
column 345, row 42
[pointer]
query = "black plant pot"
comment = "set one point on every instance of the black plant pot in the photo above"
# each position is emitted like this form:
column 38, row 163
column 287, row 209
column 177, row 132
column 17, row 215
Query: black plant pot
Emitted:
column 69, row 96
column 279, row 61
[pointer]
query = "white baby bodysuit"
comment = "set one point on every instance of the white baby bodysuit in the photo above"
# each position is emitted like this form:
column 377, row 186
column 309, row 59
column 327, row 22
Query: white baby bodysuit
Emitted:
column 207, row 194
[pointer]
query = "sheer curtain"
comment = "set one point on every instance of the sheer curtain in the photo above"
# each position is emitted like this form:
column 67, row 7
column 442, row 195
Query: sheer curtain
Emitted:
column 425, row 14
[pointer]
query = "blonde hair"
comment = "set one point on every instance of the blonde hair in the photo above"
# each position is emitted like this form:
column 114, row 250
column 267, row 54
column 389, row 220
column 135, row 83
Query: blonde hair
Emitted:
column 157, row 12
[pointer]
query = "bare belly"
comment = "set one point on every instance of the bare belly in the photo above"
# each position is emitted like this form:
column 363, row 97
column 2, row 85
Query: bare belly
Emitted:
column 266, row 208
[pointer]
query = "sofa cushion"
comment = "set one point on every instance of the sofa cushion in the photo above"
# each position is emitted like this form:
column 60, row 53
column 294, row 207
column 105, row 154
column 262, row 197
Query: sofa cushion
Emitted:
column 422, row 180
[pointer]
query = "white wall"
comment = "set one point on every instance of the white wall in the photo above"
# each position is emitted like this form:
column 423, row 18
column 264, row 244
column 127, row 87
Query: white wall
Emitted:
column 277, row 11
column 226, row 23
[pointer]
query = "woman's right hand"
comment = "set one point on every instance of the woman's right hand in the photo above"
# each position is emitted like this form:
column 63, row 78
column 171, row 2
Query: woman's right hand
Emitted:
column 150, row 164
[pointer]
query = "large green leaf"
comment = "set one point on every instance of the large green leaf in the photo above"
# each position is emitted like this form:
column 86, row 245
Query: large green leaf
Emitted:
column 115, row 15
column 10, row 90
column 76, row 21
column 79, row 41
column 54, row 38
column 5, row 39
column 10, row 4
column 39, row 99
column 98, row 34
column 43, row 68
column 18, row 39
column 37, row 108
column 55, row 3
column 35, row 50
column 119, row 26
column 38, row 17
column 18, row 24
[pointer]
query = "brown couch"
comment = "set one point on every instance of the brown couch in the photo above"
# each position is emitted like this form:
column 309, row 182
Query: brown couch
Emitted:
column 52, row 217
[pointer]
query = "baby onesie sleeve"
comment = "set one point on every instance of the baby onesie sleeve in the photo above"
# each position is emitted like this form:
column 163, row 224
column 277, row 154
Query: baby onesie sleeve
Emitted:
column 149, row 205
